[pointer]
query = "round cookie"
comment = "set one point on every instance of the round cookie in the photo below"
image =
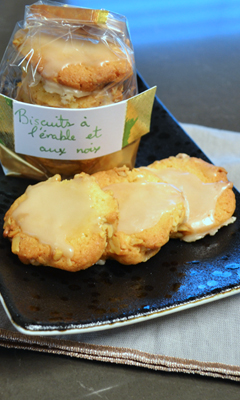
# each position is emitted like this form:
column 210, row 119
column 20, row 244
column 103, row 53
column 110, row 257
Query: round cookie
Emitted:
column 209, row 198
column 36, row 94
column 149, row 211
column 78, row 61
column 76, row 70
column 62, row 224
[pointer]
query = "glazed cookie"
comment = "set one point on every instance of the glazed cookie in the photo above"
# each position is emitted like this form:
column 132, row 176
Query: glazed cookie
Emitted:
column 63, row 70
column 63, row 224
column 53, row 97
column 73, row 61
column 149, row 211
column 209, row 198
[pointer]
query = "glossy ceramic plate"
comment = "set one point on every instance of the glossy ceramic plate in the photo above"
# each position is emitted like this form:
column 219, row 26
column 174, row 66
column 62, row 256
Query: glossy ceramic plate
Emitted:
column 42, row 300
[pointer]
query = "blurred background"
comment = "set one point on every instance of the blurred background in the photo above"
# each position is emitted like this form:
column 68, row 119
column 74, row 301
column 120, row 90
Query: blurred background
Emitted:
column 161, row 21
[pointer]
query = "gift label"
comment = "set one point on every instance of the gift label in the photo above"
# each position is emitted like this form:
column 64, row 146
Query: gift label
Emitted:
column 76, row 134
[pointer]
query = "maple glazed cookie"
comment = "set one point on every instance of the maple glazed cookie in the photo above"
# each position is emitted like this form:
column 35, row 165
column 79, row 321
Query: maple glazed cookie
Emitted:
column 149, row 211
column 209, row 198
column 37, row 94
column 75, row 70
column 62, row 224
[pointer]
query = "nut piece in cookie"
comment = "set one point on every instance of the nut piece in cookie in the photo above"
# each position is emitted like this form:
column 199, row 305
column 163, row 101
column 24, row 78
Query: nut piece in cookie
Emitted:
column 149, row 211
column 63, row 224
column 209, row 198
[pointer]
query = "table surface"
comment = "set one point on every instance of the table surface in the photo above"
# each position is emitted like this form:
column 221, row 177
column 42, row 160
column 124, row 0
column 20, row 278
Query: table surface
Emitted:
column 191, row 53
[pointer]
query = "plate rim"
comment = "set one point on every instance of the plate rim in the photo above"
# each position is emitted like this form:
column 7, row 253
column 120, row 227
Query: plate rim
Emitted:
column 46, row 330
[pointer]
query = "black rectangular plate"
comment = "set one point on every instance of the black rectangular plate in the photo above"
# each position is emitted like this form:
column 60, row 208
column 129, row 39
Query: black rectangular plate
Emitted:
column 46, row 300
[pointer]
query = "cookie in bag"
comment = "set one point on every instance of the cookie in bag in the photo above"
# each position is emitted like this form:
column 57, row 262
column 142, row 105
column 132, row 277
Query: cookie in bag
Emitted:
column 73, row 57
column 70, row 58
